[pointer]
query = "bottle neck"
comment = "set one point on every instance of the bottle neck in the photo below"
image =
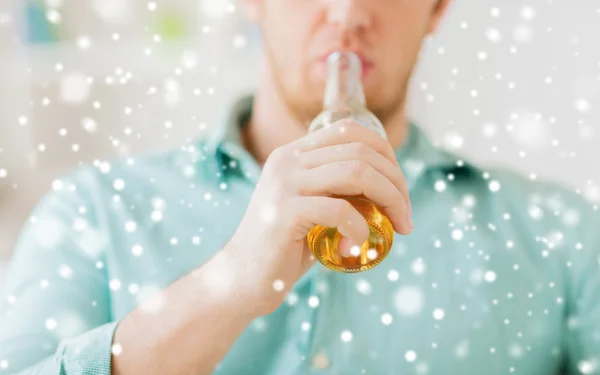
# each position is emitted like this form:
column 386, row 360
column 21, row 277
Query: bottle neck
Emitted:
column 344, row 86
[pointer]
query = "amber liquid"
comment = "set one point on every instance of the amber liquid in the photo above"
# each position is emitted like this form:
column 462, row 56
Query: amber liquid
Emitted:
column 323, row 241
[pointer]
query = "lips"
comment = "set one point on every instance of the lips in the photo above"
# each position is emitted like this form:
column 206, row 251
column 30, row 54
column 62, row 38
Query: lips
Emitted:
column 367, row 64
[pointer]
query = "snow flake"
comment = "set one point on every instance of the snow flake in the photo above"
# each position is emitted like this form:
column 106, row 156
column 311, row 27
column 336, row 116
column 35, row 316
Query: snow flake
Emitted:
column 48, row 232
column 116, row 349
column 239, row 41
column 130, row 226
column 440, row 186
column 570, row 218
column 65, row 271
column 582, row 105
column 535, row 212
column 453, row 140
column 216, row 9
column 278, row 285
column 74, row 88
column 494, row 186
column 51, row 324
column 260, row 324
column 305, row 326
column 410, row 356
column 156, row 216
column 83, row 42
column 137, row 250
column 113, row 11
column 418, row 266
column 469, row 201
column 438, row 314
column 422, row 368
column 363, row 286
column 346, row 336
column 292, row 298
column 476, row 276
column 457, row 234
column 527, row 12
column 490, row 276
column 133, row 289
column 386, row 319
column 409, row 300
column 493, row 35
column 115, row 284
column 118, row 184
column 588, row 366
column 371, row 254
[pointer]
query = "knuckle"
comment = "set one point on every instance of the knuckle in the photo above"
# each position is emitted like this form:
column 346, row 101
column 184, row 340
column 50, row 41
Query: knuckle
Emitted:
column 341, row 208
column 278, row 153
column 279, row 158
column 356, row 168
column 359, row 150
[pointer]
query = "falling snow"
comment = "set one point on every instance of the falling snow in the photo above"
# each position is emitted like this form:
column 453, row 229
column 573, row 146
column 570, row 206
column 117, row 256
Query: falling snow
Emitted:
column 51, row 324
column 490, row 276
column 313, row 301
column 278, row 285
column 410, row 356
column 346, row 336
column 409, row 300
column 74, row 88
column 363, row 286
column 386, row 319
column 418, row 266
column 542, row 139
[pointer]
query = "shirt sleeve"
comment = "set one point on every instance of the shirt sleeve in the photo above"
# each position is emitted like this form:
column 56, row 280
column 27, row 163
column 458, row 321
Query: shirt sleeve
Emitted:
column 55, row 317
column 583, row 308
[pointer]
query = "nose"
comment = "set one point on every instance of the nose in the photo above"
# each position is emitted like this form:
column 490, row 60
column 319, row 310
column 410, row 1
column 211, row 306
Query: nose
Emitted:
column 348, row 15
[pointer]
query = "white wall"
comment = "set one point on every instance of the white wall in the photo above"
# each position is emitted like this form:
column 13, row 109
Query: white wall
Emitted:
column 547, row 50
column 547, row 59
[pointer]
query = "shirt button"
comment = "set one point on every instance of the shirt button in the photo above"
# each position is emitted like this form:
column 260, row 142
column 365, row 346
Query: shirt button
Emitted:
column 320, row 361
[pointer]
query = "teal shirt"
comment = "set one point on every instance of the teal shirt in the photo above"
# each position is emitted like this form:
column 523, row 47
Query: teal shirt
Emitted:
column 501, row 274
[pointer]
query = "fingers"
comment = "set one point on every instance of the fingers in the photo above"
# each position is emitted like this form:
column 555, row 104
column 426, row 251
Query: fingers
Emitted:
column 357, row 151
column 356, row 177
column 346, row 131
column 328, row 212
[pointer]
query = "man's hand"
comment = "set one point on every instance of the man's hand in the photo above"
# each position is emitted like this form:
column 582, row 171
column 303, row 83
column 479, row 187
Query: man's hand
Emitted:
column 269, row 249
column 268, row 252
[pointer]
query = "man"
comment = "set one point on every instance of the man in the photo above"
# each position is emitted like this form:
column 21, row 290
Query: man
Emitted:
column 195, row 261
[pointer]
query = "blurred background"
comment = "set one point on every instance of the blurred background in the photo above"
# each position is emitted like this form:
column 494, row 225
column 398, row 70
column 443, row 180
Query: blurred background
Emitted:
column 514, row 84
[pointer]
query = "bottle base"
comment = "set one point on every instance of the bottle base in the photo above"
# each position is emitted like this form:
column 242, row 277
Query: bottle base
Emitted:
column 324, row 241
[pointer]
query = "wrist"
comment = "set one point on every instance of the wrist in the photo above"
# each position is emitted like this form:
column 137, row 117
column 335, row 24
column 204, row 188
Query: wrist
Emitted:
column 224, row 283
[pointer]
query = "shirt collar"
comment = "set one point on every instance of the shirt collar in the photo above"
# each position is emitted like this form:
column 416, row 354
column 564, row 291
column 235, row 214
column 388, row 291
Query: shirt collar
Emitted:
column 416, row 156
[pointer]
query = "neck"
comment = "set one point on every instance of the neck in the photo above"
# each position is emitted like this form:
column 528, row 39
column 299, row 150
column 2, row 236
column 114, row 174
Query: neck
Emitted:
column 273, row 124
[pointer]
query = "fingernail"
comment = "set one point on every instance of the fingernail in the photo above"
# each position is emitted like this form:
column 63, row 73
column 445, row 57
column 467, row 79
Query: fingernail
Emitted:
column 409, row 219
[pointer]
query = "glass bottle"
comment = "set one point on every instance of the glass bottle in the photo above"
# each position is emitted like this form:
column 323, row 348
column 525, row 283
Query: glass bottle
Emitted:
column 345, row 98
